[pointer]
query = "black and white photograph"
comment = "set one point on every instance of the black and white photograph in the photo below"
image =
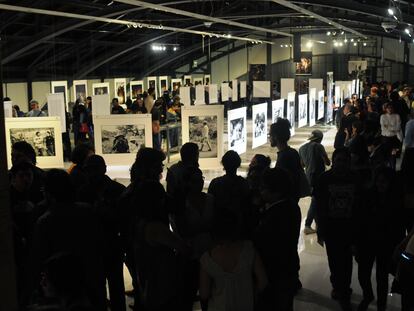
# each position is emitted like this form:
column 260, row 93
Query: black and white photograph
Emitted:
column 151, row 84
column 312, row 107
column 59, row 89
column 278, row 110
column 164, row 85
column 176, row 86
column 291, row 112
column 122, row 138
column 321, row 104
column 304, row 67
column 259, row 118
column 41, row 139
column 303, row 110
column 237, row 131
column 101, row 90
column 80, row 92
column 203, row 132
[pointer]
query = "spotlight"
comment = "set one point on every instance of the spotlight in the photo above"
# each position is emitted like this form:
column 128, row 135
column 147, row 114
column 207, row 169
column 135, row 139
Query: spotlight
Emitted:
column 365, row 44
column 341, row 44
column 395, row 17
column 129, row 25
column 281, row 45
column 391, row 11
column 154, row 47
column 336, row 44
column 346, row 40
column 352, row 40
column 139, row 25
column 286, row 46
column 134, row 25
column 110, row 3
column 355, row 44
column 164, row 48
column 328, row 33
column 309, row 44
column 229, row 36
column 342, row 32
column 407, row 31
column 290, row 45
column 175, row 48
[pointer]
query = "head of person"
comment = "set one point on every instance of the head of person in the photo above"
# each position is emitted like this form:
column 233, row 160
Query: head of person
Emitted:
column 316, row 136
column 140, row 102
column 384, row 179
column 115, row 102
column 354, row 97
column 190, row 154
column 22, row 176
column 394, row 96
column 193, row 180
column 58, row 187
column 347, row 101
column 148, row 165
column 275, row 185
column 406, row 91
column 17, row 108
column 260, row 161
column 152, row 199
column 151, row 91
column 280, row 132
column 341, row 160
column 34, row 105
column 357, row 127
column 226, row 227
column 374, row 91
column 176, row 99
column 95, row 168
column 347, row 109
column 80, row 153
column 89, row 100
column 231, row 162
column 23, row 152
column 389, row 108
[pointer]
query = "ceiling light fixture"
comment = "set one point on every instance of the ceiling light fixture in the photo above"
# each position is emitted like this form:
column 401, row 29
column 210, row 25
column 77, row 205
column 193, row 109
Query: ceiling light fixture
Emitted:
column 309, row 44
column 355, row 44
column 328, row 33
column 390, row 11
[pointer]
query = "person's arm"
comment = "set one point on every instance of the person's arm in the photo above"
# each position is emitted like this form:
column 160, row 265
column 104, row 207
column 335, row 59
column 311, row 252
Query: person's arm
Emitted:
column 205, row 285
column 260, row 273
column 325, row 157
column 157, row 232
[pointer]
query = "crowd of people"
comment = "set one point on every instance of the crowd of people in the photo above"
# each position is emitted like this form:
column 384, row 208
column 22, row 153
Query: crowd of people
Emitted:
column 233, row 247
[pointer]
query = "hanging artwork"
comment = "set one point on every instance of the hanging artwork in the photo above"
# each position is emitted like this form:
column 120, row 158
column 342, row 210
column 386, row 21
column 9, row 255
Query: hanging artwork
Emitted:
column 61, row 87
column 188, row 80
column 100, row 88
column 312, row 107
column 80, row 90
column 304, row 67
column 303, row 110
column 225, row 92
column 291, row 111
column 120, row 90
column 243, row 89
column 237, row 130
column 257, row 72
column 176, row 84
column 152, row 83
column 259, row 118
column 163, row 84
column 278, row 109
column 321, row 104
column 213, row 93
column 136, row 88
column 207, row 79
column 330, row 96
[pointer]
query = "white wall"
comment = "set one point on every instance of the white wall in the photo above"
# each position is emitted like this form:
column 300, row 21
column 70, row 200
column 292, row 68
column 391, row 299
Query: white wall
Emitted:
column 40, row 91
column 18, row 94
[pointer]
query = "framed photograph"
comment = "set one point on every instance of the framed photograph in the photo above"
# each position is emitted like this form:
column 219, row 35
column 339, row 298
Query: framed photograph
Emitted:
column 330, row 97
column 176, row 84
column 225, row 92
column 188, row 80
column 61, row 87
column 120, row 90
column 204, row 126
column 304, row 67
column 257, row 72
column 119, row 137
column 338, row 97
column 259, row 117
column 152, row 83
column 278, row 109
column 321, row 104
column 136, row 88
column 290, row 114
column 56, row 108
column 312, row 107
column 237, row 130
column 163, row 84
column 303, row 110
column 234, row 91
column 198, row 81
column 100, row 88
column 213, row 93
column 43, row 134
column 200, row 95
column 261, row 89
column 80, row 90
column 207, row 79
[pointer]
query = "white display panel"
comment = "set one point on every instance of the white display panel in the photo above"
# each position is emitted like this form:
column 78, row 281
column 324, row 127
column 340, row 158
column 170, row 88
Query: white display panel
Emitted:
column 278, row 109
column 207, row 79
column 312, row 107
column 259, row 124
column 56, row 108
column 243, row 87
column 136, row 88
column 8, row 109
column 303, row 110
column 185, row 95
column 80, row 90
column 200, row 97
column 43, row 134
column 61, row 87
column 119, row 137
column 163, row 84
column 176, row 84
column 317, row 84
column 235, row 91
column 120, row 90
column 329, row 95
column 290, row 115
column 213, row 93
column 204, row 126
column 237, row 130
column 338, row 97
column 100, row 88
column 261, row 89
column 321, row 104
column 152, row 83
column 101, row 105
column 224, row 92
column 287, row 85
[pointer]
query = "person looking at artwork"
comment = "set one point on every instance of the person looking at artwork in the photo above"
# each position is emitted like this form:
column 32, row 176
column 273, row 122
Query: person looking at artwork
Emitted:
column 116, row 107
column 345, row 124
column 314, row 159
column 35, row 110
column 138, row 106
column 205, row 137
column 19, row 113
column 79, row 155
column 149, row 99
column 103, row 194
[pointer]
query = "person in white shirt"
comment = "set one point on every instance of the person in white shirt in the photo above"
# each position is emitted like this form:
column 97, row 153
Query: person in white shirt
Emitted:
column 34, row 110
column 205, row 137
column 391, row 123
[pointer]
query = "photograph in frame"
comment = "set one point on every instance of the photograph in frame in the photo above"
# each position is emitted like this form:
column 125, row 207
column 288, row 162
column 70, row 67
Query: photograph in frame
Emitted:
column 100, row 88
column 237, row 130
column 304, row 67
column 122, row 138
column 163, row 81
column 198, row 81
column 80, row 90
column 312, row 107
column 290, row 115
column 120, row 90
column 278, row 109
column 259, row 118
column 152, row 83
column 303, row 110
column 203, row 132
column 175, row 84
column 321, row 104
column 61, row 87
column 188, row 80
column 207, row 79
column 136, row 88
column 43, row 134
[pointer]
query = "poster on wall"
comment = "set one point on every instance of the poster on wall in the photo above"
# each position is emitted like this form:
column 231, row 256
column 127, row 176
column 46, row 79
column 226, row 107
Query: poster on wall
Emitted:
column 163, row 84
column 261, row 89
column 100, row 88
column 56, row 108
column 136, row 88
column 330, row 97
column 200, row 96
column 321, row 104
column 203, row 125
column 303, row 110
column 80, row 90
column 213, row 93
column 257, row 72
column 101, row 105
column 119, row 137
column 234, row 91
column 259, row 118
column 243, row 87
column 43, row 134
column 312, row 107
column 188, row 80
column 152, row 83
column 61, row 87
column 207, row 79
column 120, row 90
column 237, row 131
column 304, row 67
column 225, row 92
column 278, row 109
column 290, row 115
column 185, row 95
column 176, row 84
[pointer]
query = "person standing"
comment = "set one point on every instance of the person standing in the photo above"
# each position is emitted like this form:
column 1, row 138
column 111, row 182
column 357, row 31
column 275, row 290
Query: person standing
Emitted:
column 205, row 137
column 314, row 159
column 116, row 107
column 34, row 110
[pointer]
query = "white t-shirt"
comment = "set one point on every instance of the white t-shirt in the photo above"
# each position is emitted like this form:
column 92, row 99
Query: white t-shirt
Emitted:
column 391, row 125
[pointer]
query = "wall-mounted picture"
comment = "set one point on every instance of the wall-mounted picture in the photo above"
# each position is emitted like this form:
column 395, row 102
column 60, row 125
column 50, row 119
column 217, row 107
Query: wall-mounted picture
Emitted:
column 203, row 132
column 257, row 72
column 43, row 134
column 203, row 125
column 119, row 137
column 61, row 87
column 278, row 109
column 152, row 83
column 120, row 90
column 312, row 107
column 136, row 88
column 330, row 96
column 80, row 90
column 188, row 80
column 321, row 104
column 303, row 110
column 100, row 88
column 237, row 131
column 207, row 79
column 163, row 81
column 175, row 84
column 259, row 118
column 290, row 115
column 304, row 67
column 198, row 81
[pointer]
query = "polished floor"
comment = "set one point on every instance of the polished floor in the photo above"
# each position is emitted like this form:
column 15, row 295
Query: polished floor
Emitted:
column 314, row 272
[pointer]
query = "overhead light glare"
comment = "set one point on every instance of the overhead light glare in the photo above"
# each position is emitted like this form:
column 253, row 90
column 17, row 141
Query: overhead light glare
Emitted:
column 328, row 33
column 355, row 44
column 309, row 44
column 391, row 11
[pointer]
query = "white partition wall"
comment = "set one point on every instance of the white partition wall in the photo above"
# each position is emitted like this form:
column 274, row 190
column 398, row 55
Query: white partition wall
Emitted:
column 234, row 91
column 261, row 89
column 225, row 92
column 200, row 96
column 56, row 108
column 185, row 95
column 321, row 104
column 259, row 125
column 101, row 105
column 243, row 86
column 237, row 130
column 287, row 85
column 213, row 93
column 61, row 87
column 291, row 111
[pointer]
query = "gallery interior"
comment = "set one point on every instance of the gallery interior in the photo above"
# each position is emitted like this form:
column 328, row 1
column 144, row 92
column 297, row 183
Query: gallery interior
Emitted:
column 212, row 155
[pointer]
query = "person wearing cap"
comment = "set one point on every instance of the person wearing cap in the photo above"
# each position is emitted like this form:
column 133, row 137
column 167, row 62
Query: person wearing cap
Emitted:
column 314, row 159
column 34, row 110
